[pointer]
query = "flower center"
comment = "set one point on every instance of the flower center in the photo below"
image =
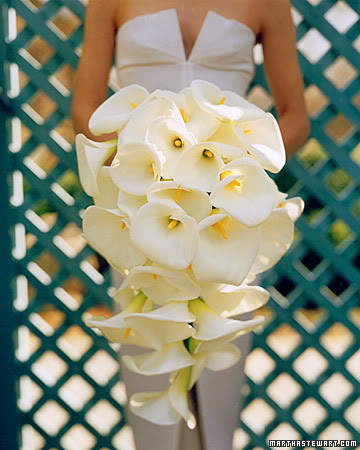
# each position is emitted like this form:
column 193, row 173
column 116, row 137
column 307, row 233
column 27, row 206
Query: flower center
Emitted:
column 127, row 332
column 221, row 102
column 184, row 115
column 178, row 142
column 246, row 131
column 178, row 195
column 221, row 228
column 134, row 105
column 207, row 153
column 123, row 225
column 154, row 276
column 173, row 223
column 234, row 183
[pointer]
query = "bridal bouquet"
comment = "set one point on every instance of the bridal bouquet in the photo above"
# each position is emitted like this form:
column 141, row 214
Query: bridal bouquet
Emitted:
column 187, row 212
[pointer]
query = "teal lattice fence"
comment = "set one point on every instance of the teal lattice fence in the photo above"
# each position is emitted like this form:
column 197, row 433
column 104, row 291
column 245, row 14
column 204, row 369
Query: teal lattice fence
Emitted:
column 303, row 371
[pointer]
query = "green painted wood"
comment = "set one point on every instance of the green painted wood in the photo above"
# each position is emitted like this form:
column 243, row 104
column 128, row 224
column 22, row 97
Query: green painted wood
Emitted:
column 321, row 271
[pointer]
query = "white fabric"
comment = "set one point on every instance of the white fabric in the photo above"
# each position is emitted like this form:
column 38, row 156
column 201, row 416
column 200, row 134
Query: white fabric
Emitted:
column 150, row 52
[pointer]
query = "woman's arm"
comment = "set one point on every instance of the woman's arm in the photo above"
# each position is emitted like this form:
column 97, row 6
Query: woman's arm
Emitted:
column 283, row 73
column 92, row 75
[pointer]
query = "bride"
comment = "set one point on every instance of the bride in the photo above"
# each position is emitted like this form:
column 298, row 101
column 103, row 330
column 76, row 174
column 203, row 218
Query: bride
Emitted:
column 165, row 45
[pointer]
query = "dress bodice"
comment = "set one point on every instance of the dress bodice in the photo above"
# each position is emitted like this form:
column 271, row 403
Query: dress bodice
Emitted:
column 150, row 52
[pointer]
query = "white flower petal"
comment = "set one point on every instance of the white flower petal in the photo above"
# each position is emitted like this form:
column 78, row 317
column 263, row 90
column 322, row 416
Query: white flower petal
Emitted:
column 193, row 201
column 230, row 301
column 177, row 312
column 162, row 285
column 172, row 357
column 114, row 243
column 154, row 407
column 128, row 204
column 251, row 111
column 197, row 170
column 137, row 166
column 223, row 357
column 197, row 369
column 250, row 202
column 91, row 156
column 210, row 98
column 225, row 134
column 178, row 396
column 108, row 192
column 169, row 247
column 226, row 251
column 114, row 112
column 294, row 207
column 171, row 139
column 143, row 115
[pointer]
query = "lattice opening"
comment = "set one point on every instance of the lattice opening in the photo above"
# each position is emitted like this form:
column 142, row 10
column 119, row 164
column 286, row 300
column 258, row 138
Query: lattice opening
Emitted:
column 37, row 52
column 315, row 100
column 310, row 364
column 312, row 262
column 354, row 313
column 44, row 158
column 352, row 414
column 353, row 365
column 313, row 45
column 309, row 414
column 257, row 415
column 310, row 319
column 49, row 368
column 355, row 154
column 64, row 23
column 51, row 417
column 258, row 365
column 341, row 16
column 260, row 98
column 109, row 366
column 339, row 234
column 69, row 240
column 339, row 182
column 103, row 417
column 75, row 342
column 336, row 389
column 312, row 155
column 78, row 438
column 118, row 393
column 63, row 79
column 339, row 128
column 76, row 392
column 40, row 107
column 285, row 286
column 64, row 134
column 335, row 431
column 341, row 73
column 48, row 319
column 314, row 210
column 283, row 340
column 125, row 435
column 284, row 431
column 30, row 393
column 283, row 390
column 30, row 435
column 337, row 339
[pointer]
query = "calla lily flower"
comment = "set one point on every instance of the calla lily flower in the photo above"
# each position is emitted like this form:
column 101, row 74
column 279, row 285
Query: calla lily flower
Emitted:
column 193, row 201
column 199, row 122
column 116, row 330
column 276, row 237
column 164, row 325
column 114, row 112
column 136, row 167
column 262, row 139
column 172, row 357
column 199, row 166
column 161, row 285
column 136, row 128
column 211, row 326
column 166, row 407
column 114, row 244
column 167, row 236
column 211, row 99
column 293, row 206
column 246, row 193
column 221, row 357
column 226, row 251
column 91, row 156
column 251, row 111
column 171, row 139
column 228, row 300
column 108, row 192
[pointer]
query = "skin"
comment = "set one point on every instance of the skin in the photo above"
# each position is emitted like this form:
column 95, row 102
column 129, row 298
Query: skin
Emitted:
column 270, row 19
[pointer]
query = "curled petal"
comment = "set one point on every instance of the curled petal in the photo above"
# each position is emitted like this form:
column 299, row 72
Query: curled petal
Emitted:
column 137, row 166
column 223, row 357
column 154, row 407
column 114, row 112
column 294, row 207
column 172, row 357
column 197, row 369
column 210, row 98
column 178, row 396
column 108, row 193
column 166, row 236
column 161, row 285
column 91, row 156
column 226, row 251
column 248, row 195
column 114, row 244
column 193, row 201
column 251, row 111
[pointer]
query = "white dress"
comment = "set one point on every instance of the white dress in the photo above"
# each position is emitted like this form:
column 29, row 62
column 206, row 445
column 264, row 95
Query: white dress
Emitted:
column 150, row 52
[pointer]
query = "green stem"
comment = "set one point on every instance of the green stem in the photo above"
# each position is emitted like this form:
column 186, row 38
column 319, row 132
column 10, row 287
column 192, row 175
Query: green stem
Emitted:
column 136, row 304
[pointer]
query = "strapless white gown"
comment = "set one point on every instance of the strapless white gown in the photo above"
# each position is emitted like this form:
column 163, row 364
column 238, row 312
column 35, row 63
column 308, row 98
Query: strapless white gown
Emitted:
column 150, row 52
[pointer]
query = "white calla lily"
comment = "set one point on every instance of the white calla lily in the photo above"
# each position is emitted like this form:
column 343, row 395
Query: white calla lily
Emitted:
column 211, row 326
column 293, row 206
column 199, row 122
column 226, row 251
column 276, row 236
column 142, row 117
column 116, row 330
column 136, row 166
column 114, row 112
column 164, row 325
column 129, row 204
column 171, row 139
column 193, row 201
column 114, row 244
column 210, row 98
column 228, row 300
column 172, row 357
column 246, row 192
column 161, row 285
column 251, row 111
column 167, row 236
column 262, row 139
column 166, row 407
column 108, row 192
column 91, row 156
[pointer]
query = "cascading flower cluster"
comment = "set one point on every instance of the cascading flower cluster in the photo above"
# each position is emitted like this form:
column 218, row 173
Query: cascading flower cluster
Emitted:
column 187, row 212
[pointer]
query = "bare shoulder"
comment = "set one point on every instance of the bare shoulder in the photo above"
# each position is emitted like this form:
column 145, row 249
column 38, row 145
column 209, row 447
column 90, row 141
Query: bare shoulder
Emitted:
column 102, row 9
column 274, row 11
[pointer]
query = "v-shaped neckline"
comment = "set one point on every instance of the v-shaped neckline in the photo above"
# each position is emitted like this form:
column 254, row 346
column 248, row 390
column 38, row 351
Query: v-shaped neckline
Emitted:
column 181, row 37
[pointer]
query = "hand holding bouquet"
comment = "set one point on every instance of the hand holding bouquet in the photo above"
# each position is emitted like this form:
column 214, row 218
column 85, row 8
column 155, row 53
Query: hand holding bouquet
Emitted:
column 188, row 214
